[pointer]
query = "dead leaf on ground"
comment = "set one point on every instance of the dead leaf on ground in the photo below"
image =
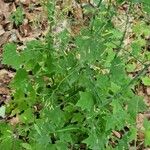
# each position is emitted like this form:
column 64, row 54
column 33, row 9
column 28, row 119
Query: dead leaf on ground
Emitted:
column 1, row 30
column 5, row 9
column 14, row 121
column 4, row 91
column 4, row 38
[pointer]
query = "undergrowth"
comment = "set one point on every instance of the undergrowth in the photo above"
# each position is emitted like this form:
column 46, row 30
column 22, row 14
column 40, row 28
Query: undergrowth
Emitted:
column 74, row 92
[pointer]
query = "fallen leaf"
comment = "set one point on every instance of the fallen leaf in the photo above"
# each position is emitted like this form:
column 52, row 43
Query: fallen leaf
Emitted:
column 14, row 121
column 117, row 134
column 4, row 91
column 25, row 2
column 4, row 38
column 1, row 30
column 148, row 91
column 25, row 29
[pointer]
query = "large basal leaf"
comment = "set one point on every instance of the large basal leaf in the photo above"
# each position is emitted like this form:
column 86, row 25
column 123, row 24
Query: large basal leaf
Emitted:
column 10, row 56
column 86, row 101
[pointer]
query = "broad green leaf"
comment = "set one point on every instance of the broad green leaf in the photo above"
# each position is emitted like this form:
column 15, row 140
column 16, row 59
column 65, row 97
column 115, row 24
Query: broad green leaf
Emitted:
column 114, row 87
column 130, row 67
column 119, row 115
column 117, row 71
column 95, row 142
column 102, row 85
column 103, row 81
column 65, row 137
column 141, row 28
column 11, row 56
column 135, row 105
column 110, row 57
column 59, row 118
column 147, row 132
column 86, row 101
column 61, row 146
column 147, row 56
column 146, row 80
column 116, row 34
column 37, row 129
column 77, row 117
column 146, row 6
column 27, row 116
column 20, row 80
column 26, row 146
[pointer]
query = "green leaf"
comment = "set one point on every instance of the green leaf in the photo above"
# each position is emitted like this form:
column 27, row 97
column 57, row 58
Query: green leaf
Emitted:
column 95, row 142
column 20, row 80
column 17, row 16
column 59, row 118
column 141, row 28
column 26, row 146
column 114, row 87
column 147, row 132
column 10, row 56
column 146, row 80
column 135, row 105
column 118, row 72
column 27, row 116
column 2, row 111
column 77, row 117
column 146, row 6
column 86, row 101
column 131, row 67
column 119, row 115
column 61, row 146
column 136, row 48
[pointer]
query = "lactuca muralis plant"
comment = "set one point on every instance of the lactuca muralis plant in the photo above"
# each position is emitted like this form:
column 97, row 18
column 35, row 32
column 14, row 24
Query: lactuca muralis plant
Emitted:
column 72, row 97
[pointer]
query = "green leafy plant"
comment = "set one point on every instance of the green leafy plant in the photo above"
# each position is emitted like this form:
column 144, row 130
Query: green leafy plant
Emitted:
column 72, row 97
column 146, row 81
column 147, row 132
column 17, row 16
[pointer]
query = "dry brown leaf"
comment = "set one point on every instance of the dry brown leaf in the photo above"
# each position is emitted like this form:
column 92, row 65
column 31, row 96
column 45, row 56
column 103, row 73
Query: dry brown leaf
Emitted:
column 2, row 31
column 8, row 26
column 139, row 121
column 3, row 72
column 14, row 121
column 25, row 2
column 25, row 29
column 2, row 17
column 4, row 38
column 4, row 91
column 30, row 16
column 76, row 28
column 84, row 1
column 148, row 91
column 140, row 136
column 77, row 12
column 5, row 9
column 117, row 134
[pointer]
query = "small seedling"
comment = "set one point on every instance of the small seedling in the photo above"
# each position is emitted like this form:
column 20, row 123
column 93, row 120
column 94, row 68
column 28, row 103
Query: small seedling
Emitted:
column 17, row 16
